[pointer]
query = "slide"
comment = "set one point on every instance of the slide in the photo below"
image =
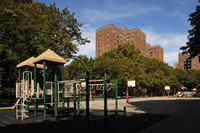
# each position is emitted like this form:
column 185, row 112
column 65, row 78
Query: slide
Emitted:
column 13, row 107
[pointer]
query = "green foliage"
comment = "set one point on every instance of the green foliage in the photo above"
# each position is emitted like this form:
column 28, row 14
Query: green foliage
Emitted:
column 125, row 63
column 78, row 67
column 29, row 28
column 193, row 44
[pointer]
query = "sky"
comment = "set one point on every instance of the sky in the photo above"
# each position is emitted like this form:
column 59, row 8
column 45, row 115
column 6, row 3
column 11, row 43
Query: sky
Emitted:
column 165, row 22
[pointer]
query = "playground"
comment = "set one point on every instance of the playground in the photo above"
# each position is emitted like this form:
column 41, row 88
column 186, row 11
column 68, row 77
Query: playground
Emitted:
column 47, row 102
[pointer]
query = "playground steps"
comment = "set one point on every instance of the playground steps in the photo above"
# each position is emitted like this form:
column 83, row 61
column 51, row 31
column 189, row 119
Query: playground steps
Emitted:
column 22, row 108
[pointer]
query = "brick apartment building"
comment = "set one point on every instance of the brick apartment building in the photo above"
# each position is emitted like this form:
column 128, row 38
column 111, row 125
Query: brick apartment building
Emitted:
column 156, row 52
column 109, row 37
column 186, row 63
column 176, row 65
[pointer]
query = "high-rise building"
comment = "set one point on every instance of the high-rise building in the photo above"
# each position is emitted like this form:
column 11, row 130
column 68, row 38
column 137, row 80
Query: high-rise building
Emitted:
column 186, row 63
column 176, row 65
column 156, row 52
column 109, row 37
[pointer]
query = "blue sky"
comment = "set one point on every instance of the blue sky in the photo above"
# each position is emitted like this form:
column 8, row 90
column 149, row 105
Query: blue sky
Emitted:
column 164, row 21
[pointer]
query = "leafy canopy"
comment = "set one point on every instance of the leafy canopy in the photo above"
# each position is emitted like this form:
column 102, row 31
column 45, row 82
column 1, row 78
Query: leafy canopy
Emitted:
column 193, row 44
column 29, row 28
column 125, row 63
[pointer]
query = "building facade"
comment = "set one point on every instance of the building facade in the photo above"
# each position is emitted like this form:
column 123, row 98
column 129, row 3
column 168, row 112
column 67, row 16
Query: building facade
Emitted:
column 156, row 52
column 186, row 63
column 176, row 65
column 109, row 37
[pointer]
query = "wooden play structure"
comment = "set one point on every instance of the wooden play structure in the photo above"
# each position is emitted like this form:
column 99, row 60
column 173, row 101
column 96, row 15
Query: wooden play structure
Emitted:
column 56, row 93
column 28, row 89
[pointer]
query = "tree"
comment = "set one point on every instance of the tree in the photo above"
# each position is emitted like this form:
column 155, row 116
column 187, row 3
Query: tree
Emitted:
column 125, row 63
column 28, row 28
column 193, row 44
column 78, row 67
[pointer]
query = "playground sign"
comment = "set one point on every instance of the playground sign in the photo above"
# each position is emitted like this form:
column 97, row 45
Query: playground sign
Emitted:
column 131, row 83
column 167, row 88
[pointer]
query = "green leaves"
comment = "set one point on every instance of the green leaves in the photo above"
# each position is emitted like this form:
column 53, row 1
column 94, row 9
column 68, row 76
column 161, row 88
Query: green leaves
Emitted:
column 29, row 28
column 193, row 44
column 125, row 63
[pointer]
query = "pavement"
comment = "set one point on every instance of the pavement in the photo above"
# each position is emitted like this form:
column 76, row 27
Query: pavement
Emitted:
column 182, row 114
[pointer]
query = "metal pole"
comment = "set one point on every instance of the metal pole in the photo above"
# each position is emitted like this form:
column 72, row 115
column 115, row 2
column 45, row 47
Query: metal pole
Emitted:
column 78, row 109
column 56, row 98
column 35, row 91
column 127, row 95
column 19, row 81
column 116, row 95
column 74, row 86
column 124, row 111
column 19, row 75
column 87, row 97
column 53, row 80
column 27, row 85
column 105, row 94
column 44, row 88
column 63, row 91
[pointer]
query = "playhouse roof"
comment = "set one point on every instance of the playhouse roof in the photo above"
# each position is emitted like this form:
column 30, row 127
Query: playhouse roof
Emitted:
column 29, row 62
column 51, row 56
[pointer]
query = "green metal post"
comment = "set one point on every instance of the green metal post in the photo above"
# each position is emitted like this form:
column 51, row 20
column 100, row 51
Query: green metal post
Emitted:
column 63, row 91
column 124, row 111
column 56, row 98
column 105, row 94
column 44, row 88
column 74, row 86
column 26, row 73
column 87, row 98
column 35, row 91
column 78, row 102
column 116, row 95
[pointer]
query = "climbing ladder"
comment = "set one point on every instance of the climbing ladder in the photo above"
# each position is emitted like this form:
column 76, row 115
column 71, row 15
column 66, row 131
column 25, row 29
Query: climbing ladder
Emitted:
column 23, row 92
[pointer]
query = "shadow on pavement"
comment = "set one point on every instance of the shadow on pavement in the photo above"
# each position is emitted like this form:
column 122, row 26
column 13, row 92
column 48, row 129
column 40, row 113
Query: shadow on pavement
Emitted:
column 113, row 123
column 169, row 107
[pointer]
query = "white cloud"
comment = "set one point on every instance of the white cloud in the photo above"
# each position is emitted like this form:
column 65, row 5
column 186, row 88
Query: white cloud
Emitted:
column 115, row 13
column 165, row 39
column 89, row 48
column 171, row 42
column 179, row 14
column 171, row 57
